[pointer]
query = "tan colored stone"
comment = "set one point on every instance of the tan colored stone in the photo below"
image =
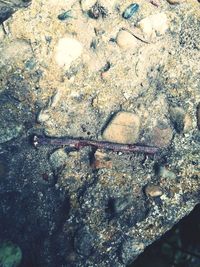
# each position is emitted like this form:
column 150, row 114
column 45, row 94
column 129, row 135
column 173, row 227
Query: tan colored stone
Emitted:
column 101, row 160
column 153, row 191
column 43, row 116
column 124, row 128
column 161, row 137
column 126, row 40
column 154, row 25
column 187, row 123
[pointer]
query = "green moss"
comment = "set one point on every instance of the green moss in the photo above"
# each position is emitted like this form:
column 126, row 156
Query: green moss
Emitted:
column 10, row 255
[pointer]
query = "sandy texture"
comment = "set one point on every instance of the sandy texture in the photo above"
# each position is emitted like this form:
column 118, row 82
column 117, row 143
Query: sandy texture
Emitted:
column 70, row 75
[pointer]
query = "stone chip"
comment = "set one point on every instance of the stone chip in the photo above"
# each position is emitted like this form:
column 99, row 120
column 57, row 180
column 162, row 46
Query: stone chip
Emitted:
column 153, row 191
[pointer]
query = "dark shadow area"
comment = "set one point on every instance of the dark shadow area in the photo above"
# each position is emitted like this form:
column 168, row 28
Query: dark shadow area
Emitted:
column 179, row 247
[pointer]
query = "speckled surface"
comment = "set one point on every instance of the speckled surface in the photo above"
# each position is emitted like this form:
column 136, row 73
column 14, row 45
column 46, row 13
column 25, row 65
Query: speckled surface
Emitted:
column 72, row 210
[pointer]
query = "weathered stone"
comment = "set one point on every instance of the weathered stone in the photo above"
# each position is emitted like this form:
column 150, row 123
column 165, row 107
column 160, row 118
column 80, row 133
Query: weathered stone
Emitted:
column 165, row 173
column 161, row 137
column 123, row 128
column 58, row 158
column 187, row 123
column 154, row 25
column 43, row 116
column 126, row 40
column 101, row 160
column 153, row 191
column 17, row 50
column 68, row 49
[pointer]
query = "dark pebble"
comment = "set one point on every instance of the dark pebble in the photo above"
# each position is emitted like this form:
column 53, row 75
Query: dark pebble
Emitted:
column 97, row 11
column 65, row 15
column 130, row 10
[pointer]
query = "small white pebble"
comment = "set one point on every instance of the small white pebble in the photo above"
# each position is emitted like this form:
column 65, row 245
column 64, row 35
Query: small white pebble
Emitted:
column 126, row 40
column 67, row 50
column 154, row 25
column 55, row 99
column 43, row 116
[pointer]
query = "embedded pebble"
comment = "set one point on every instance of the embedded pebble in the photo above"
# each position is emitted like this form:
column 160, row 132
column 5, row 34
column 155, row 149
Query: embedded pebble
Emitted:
column 43, row 116
column 154, row 25
column 58, row 158
column 123, row 128
column 130, row 11
column 101, row 160
column 126, row 40
column 165, row 173
column 55, row 99
column 67, row 50
column 187, row 123
column 16, row 50
column 153, row 191
column 161, row 137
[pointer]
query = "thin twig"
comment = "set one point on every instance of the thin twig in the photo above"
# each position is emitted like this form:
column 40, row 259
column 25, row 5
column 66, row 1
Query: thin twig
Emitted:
column 136, row 35
column 154, row 2
column 79, row 143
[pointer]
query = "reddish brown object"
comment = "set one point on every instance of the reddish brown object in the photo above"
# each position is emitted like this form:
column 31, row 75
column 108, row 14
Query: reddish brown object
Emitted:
column 79, row 143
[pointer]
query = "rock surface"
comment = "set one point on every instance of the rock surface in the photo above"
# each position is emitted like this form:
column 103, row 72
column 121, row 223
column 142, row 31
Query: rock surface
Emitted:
column 89, row 207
